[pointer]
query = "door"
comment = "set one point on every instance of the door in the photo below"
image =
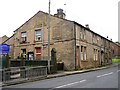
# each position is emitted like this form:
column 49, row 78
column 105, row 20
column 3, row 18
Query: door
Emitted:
column 38, row 53
column 77, row 57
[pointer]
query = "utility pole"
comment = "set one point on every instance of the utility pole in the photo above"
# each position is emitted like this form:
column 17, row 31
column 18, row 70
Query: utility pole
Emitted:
column 49, row 38
column 42, row 58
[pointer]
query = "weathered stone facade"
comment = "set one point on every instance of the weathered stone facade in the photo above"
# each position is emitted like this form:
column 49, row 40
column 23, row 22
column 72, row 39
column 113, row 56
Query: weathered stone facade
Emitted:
column 77, row 46
column 115, row 50
column 3, row 39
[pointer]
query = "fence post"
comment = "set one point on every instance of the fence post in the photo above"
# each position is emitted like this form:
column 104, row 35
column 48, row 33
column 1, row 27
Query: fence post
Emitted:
column 22, row 60
column 7, row 61
column 22, row 68
column 7, row 68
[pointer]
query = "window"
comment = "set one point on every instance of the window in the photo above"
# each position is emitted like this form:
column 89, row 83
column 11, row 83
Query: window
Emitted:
column 95, row 54
column 30, row 56
column 24, row 53
column 38, row 35
column 95, row 39
column 83, row 53
column 82, row 34
column 38, row 53
column 23, row 37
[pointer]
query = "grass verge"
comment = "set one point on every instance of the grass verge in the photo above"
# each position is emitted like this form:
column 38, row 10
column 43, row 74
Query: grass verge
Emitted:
column 115, row 60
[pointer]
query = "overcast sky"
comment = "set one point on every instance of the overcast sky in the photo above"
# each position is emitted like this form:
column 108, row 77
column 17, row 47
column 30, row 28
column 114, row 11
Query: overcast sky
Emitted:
column 101, row 15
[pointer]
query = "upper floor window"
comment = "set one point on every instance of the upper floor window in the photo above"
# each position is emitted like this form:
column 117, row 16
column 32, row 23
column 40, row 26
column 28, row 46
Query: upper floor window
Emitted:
column 94, row 39
column 38, row 35
column 82, row 34
column 23, row 37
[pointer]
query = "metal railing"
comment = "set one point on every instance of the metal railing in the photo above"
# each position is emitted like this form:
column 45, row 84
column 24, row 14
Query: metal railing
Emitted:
column 22, row 73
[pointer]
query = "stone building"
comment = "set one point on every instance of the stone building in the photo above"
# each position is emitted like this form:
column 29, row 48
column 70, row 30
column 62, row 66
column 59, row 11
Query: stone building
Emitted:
column 115, row 50
column 3, row 38
column 77, row 46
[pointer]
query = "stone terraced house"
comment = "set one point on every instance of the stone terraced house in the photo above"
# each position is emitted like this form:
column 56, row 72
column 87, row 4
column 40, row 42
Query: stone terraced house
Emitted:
column 77, row 46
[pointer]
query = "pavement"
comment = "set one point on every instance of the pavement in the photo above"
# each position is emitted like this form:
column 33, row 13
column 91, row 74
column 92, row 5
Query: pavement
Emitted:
column 64, row 73
column 58, row 74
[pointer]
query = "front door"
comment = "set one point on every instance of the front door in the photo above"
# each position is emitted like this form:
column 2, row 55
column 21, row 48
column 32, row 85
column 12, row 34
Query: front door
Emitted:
column 38, row 53
column 77, row 57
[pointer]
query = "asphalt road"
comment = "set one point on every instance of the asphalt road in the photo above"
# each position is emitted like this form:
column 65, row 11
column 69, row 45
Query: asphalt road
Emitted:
column 106, row 78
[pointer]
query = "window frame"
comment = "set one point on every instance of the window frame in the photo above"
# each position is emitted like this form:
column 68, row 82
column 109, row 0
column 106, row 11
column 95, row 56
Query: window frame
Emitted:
column 83, row 53
column 83, row 34
column 38, row 35
column 23, row 36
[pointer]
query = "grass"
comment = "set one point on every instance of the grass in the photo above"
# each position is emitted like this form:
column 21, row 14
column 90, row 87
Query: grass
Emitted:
column 115, row 60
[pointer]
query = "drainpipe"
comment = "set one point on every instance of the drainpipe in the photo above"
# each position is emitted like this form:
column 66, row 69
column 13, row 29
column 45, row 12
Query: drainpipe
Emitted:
column 74, row 44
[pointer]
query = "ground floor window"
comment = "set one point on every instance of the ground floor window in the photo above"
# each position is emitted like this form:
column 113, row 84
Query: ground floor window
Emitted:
column 30, row 56
column 95, row 54
column 83, row 53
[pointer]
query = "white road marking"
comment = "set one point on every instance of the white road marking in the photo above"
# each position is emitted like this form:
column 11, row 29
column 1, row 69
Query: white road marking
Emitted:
column 118, row 70
column 70, row 84
column 105, row 74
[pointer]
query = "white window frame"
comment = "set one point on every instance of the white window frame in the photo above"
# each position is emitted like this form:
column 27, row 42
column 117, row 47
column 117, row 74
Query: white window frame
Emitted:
column 23, row 36
column 38, row 36
column 83, row 53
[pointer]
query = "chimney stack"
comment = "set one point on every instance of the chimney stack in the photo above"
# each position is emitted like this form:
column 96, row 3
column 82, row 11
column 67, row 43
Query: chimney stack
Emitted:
column 87, row 26
column 60, row 13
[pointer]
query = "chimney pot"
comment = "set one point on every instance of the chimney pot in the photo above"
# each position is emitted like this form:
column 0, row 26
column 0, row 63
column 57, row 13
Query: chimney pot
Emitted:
column 60, row 13
column 87, row 26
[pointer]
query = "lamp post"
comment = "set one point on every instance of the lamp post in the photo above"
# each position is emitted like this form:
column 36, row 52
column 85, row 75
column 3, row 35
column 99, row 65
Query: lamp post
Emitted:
column 49, row 38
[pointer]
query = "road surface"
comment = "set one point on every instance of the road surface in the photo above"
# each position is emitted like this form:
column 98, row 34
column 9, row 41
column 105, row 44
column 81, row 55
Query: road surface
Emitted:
column 106, row 78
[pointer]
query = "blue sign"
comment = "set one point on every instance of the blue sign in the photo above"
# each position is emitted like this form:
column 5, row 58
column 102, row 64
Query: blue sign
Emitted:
column 4, row 49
